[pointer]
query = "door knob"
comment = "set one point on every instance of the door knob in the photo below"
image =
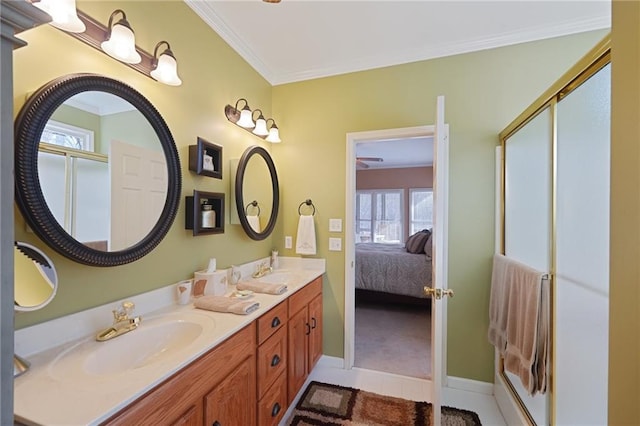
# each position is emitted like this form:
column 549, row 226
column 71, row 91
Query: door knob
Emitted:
column 438, row 293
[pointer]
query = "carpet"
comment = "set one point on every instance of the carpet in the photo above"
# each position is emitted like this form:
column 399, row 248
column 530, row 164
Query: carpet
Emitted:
column 329, row 405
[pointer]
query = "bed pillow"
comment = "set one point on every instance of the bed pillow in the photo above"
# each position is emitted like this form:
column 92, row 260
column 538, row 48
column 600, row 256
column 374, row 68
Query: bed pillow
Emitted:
column 415, row 243
column 428, row 246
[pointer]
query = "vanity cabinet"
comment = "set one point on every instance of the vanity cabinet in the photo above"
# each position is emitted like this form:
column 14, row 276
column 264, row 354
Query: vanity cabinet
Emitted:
column 272, row 365
column 249, row 379
column 218, row 385
column 305, row 335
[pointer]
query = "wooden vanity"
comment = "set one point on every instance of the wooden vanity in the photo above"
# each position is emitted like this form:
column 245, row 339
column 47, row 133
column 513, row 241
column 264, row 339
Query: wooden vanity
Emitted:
column 249, row 379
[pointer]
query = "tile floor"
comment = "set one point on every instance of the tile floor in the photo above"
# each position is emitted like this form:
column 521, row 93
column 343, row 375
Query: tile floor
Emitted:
column 405, row 387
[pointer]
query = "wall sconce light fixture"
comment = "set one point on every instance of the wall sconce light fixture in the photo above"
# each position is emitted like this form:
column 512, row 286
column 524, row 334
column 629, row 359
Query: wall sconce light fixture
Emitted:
column 110, row 40
column 63, row 14
column 244, row 118
column 120, row 41
column 165, row 66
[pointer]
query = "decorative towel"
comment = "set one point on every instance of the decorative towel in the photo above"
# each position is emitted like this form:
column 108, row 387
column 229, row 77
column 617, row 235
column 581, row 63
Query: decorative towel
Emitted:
column 225, row 304
column 254, row 222
column 518, row 321
column 258, row 287
column 306, row 239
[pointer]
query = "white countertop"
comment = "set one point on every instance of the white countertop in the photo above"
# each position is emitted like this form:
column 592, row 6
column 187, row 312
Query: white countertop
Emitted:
column 56, row 391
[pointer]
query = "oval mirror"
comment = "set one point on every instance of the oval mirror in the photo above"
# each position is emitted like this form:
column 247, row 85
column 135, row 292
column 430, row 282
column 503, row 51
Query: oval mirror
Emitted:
column 257, row 193
column 35, row 278
column 97, row 172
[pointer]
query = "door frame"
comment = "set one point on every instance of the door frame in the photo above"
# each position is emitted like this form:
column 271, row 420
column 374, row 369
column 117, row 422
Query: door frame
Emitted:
column 349, row 272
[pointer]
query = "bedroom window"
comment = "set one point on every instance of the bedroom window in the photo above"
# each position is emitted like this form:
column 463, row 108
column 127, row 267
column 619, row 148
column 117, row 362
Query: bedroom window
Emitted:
column 379, row 216
column 420, row 209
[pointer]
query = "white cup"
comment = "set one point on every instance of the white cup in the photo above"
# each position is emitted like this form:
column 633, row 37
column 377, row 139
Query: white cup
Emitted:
column 183, row 290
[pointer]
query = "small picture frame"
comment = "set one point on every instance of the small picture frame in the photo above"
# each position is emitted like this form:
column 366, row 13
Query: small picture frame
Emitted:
column 205, row 158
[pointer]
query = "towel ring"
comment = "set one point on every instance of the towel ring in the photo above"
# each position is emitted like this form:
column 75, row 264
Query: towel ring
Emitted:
column 308, row 202
column 254, row 203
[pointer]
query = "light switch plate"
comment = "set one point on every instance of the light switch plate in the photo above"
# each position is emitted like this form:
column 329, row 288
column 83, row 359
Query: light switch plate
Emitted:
column 335, row 225
column 335, row 244
column 288, row 242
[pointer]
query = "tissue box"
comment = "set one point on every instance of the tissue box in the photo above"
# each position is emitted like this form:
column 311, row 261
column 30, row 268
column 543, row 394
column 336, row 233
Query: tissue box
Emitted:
column 209, row 283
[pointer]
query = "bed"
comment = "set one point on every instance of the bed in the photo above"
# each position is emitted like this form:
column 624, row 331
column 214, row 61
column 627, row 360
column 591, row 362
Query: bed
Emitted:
column 390, row 269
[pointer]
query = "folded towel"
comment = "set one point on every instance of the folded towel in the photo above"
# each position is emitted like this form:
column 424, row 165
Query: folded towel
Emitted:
column 254, row 222
column 257, row 287
column 225, row 304
column 306, row 238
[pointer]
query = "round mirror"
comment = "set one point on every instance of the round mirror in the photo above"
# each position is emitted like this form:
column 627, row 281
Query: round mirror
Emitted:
column 97, row 171
column 257, row 193
column 35, row 278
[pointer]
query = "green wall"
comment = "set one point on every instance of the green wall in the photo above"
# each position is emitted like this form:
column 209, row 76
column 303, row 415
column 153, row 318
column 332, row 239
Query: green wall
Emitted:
column 214, row 75
column 130, row 127
column 484, row 91
column 79, row 118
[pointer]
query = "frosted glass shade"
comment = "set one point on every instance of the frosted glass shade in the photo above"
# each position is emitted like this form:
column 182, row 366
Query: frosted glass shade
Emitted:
column 245, row 119
column 261, row 127
column 122, row 45
column 274, row 135
column 167, row 71
column 63, row 14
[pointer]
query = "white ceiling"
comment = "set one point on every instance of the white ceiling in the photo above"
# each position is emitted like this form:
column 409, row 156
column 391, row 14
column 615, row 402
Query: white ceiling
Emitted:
column 298, row 40
column 303, row 39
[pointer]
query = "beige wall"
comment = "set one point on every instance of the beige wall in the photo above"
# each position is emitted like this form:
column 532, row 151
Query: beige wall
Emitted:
column 624, row 299
column 484, row 92
column 214, row 75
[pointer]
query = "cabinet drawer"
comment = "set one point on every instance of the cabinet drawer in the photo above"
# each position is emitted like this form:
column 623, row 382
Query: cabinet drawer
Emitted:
column 272, row 360
column 272, row 321
column 305, row 295
column 272, row 407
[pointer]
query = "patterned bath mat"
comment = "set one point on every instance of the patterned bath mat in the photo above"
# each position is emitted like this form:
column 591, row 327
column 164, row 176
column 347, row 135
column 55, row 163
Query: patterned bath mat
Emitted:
column 329, row 405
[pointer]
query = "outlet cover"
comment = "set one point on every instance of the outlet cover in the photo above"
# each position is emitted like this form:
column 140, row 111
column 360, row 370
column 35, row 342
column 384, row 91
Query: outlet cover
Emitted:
column 335, row 225
column 288, row 242
column 335, row 244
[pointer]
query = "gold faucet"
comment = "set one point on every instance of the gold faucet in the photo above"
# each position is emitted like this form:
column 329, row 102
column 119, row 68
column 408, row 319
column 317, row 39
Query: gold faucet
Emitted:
column 262, row 270
column 122, row 322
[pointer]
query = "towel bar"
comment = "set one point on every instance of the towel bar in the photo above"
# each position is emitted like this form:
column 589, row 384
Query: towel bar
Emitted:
column 308, row 202
column 254, row 203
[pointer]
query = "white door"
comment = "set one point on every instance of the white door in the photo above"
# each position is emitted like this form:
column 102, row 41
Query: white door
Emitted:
column 438, row 291
column 138, row 192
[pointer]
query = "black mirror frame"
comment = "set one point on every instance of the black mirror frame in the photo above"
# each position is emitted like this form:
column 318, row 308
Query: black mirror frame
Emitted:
column 30, row 124
column 240, row 204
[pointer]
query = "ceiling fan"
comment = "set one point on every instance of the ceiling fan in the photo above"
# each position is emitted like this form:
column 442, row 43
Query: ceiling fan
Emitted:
column 361, row 162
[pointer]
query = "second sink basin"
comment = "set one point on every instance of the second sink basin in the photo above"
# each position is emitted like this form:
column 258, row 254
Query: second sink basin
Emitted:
column 278, row 277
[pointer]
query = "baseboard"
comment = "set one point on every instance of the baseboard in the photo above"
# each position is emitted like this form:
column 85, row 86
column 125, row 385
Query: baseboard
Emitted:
column 469, row 385
column 331, row 361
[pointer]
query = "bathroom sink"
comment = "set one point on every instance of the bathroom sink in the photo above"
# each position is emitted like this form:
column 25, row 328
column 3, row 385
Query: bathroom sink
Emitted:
column 278, row 277
column 156, row 339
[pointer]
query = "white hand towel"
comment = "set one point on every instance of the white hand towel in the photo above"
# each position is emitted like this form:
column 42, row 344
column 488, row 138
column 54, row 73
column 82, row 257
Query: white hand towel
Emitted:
column 306, row 239
column 254, row 222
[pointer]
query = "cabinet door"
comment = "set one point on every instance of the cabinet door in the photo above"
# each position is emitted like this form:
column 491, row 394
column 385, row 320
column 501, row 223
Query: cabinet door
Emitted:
column 191, row 417
column 299, row 330
column 315, row 338
column 233, row 401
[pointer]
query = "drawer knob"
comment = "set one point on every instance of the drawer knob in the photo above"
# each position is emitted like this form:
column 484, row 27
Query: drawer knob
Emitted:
column 275, row 410
column 275, row 360
column 275, row 322
column 216, row 423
